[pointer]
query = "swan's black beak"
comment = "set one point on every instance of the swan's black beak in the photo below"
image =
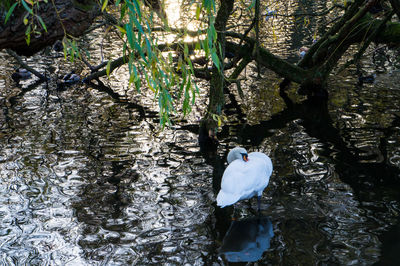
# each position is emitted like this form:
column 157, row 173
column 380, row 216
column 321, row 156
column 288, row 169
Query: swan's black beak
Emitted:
column 245, row 157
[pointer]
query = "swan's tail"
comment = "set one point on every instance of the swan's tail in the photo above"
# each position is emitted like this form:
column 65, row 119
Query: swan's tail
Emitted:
column 226, row 199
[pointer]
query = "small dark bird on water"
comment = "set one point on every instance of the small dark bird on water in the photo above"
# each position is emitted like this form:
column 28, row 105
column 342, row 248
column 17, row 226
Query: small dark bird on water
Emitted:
column 58, row 46
column 71, row 78
column 366, row 79
column 21, row 74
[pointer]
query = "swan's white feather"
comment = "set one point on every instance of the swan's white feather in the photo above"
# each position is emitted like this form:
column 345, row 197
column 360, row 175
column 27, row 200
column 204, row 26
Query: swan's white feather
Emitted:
column 243, row 180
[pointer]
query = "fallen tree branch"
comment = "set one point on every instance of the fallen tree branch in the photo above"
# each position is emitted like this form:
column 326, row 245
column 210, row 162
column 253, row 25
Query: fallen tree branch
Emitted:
column 268, row 60
column 23, row 65
column 113, row 65
column 367, row 42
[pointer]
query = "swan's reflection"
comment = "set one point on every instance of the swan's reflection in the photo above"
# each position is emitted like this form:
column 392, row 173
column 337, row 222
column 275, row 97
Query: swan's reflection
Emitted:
column 247, row 239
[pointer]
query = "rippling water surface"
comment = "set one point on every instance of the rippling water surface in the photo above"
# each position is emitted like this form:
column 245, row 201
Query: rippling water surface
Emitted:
column 89, row 179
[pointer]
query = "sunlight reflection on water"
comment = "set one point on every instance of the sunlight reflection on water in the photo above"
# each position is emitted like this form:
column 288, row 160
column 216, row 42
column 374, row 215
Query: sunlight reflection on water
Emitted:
column 88, row 181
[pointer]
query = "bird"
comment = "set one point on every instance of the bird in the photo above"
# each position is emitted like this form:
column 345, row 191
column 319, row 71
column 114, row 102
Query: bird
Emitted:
column 269, row 14
column 366, row 79
column 302, row 51
column 71, row 78
column 21, row 74
column 58, row 46
column 247, row 175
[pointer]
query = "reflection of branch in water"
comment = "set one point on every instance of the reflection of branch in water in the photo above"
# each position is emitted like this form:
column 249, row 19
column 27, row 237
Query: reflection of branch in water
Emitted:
column 234, row 103
column 13, row 99
column 143, row 111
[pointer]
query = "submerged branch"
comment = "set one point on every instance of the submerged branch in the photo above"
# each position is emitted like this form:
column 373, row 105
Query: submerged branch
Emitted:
column 371, row 37
column 242, row 65
column 113, row 65
column 22, row 64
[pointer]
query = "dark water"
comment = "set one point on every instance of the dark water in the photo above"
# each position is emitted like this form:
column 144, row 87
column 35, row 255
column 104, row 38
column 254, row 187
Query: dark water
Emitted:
column 88, row 178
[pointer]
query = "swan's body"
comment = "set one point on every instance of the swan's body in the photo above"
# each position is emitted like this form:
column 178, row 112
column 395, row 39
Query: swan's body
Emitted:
column 247, row 175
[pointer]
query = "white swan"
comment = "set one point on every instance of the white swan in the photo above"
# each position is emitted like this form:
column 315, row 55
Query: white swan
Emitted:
column 247, row 175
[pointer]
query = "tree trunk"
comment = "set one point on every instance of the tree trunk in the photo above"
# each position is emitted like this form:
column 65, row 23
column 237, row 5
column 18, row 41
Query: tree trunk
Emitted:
column 64, row 17
column 216, row 96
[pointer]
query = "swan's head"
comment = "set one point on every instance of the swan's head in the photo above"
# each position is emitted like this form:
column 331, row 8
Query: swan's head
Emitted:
column 237, row 153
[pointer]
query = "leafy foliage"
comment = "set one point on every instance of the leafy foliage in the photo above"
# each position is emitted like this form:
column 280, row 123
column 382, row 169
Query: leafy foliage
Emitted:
column 171, row 83
column 32, row 20
column 167, row 72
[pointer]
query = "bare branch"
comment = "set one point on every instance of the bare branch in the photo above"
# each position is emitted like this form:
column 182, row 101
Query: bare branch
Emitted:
column 22, row 64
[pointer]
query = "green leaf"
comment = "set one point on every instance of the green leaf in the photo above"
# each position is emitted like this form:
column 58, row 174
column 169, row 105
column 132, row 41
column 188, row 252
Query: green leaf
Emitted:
column 190, row 64
column 27, row 7
column 42, row 23
column 198, row 10
column 65, row 50
column 205, row 46
column 76, row 50
column 210, row 35
column 26, row 21
column 193, row 94
column 138, row 26
column 149, row 52
column 10, row 12
column 185, row 50
column 129, row 35
column 121, row 29
column 123, row 11
column 108, row 68
column 131, row 8
column 137, row 6
column 105, row 2
column 138, row 48
column 252, row 4
column 197, row 88
column 197, row 46
column 209, row 4
column 28, row 35
column 148, row 27
column 170, row 59
column 215, row 59
column 136, row 79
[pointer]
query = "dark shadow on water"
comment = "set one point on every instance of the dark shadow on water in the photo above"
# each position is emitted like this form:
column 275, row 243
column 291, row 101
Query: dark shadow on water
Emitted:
column 316, row 120
column 24, row 90
column 143, row 111
column 390, row 247
column 247, row 239
column 351, row 163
